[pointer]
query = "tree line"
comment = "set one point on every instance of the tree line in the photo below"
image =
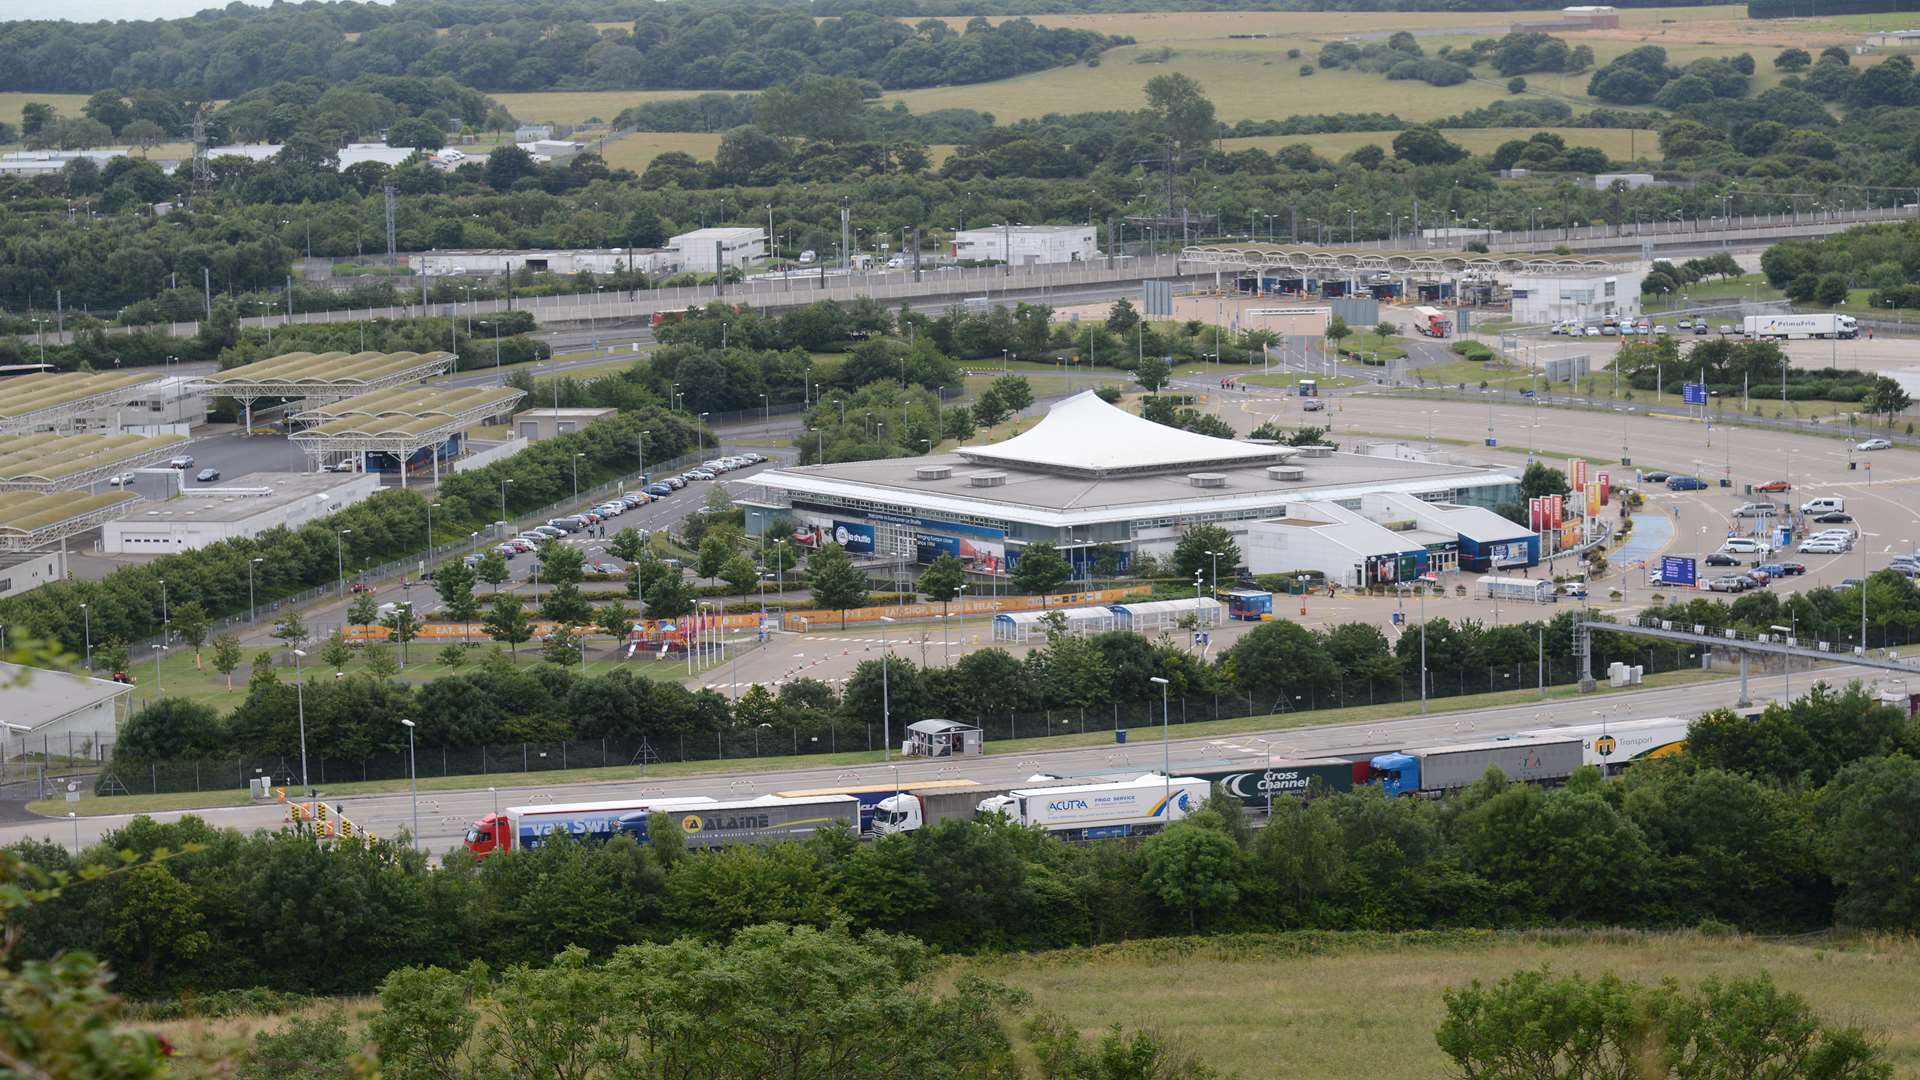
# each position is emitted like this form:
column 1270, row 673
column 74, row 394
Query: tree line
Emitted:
column 538, row 46
column 1739, row 831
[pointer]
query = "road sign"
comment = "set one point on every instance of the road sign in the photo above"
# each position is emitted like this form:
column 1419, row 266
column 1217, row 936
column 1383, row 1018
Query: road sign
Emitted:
column 1693, row 393
column 1678, row 570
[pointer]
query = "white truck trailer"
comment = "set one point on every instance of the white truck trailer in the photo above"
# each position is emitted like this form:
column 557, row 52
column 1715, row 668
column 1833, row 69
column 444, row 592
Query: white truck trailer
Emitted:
column 1100, row 811
column 1784, row 327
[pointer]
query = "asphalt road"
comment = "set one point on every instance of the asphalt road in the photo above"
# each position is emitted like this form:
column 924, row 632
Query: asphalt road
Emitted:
column 444, row 816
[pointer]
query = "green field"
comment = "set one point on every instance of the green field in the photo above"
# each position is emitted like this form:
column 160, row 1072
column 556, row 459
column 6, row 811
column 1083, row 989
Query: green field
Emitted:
column 1304, row 1006
column 64, row 104
column 579, row 106
column 637, row 150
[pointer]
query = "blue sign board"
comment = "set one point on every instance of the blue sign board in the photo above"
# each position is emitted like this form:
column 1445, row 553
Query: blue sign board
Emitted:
column 1675, row 570
column 857, row 538
column 1693, row 393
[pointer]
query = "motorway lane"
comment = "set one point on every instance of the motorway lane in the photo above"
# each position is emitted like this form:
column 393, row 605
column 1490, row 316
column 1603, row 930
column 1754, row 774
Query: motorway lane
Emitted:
column 444, row 816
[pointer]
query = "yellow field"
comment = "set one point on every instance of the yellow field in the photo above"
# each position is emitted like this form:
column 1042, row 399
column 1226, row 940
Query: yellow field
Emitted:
column 1302, row 1008
column 577, row 106
column 1618, row 145
column 637, row 150
column 64, row 104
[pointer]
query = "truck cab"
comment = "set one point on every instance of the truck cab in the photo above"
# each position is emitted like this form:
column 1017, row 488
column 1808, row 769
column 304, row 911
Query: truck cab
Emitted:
column 1397, row 774
column 491, row 833
column 897, row 814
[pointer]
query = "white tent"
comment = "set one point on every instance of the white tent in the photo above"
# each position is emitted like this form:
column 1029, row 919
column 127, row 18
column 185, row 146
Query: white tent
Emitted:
column 1026, row 625
column 1167, row 614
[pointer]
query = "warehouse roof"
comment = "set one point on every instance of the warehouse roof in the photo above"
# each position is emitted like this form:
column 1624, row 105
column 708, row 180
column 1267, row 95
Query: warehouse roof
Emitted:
column 32, row 519
column 297, row 372
column 37, row 697
column 255, row 494
column 42, row 397
column 1085, row 436
column 47, row 461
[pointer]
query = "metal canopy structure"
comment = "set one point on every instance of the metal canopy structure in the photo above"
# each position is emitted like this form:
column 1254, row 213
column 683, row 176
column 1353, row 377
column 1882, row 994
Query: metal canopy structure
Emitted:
column 50, row 462
column 1292, row 257
column 320, row 377
column 399, row 421
column 30, row 520
column 34, row 402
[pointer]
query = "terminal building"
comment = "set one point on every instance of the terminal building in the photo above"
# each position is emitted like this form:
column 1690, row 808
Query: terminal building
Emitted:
column 1090, row 475
column 1027, row 245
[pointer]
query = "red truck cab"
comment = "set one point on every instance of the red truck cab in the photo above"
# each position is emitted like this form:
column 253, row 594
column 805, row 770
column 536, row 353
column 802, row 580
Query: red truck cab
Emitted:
column 491, row 833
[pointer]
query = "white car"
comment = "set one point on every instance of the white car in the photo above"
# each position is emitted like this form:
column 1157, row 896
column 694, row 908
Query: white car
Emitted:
column 1822, row 547
column 1874, row 444
column 121, row 480
column 1742, row 545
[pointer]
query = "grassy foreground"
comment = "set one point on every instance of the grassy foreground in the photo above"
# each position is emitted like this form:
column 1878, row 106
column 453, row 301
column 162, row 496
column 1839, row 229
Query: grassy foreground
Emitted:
column 97, row 806
column 1311, row 1005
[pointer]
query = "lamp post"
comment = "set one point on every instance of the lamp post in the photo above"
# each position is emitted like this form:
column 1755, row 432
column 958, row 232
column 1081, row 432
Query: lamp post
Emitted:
column 1788, row 630
column 1166, row 751
column 886, row 699
column 340, row 559
column 253, row 611
column 641, row 445
column 86, row 618
column 300, row 706
column 503, row 499
column 159, row 688
column 430, row 507
column 413, row 781
column 575, row 463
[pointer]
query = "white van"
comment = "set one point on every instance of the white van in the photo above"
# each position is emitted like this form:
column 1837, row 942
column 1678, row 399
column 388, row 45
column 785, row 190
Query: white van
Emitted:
column 1745, row 545
column 1826, row 505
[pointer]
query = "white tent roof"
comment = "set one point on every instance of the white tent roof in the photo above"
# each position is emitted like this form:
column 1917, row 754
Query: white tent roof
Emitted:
column 1084, row 434
column 1151, row 607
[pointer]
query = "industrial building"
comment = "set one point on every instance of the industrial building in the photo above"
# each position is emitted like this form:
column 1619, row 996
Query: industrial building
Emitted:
column 535, row 425
column 707, row 251
column 169, row 406
column 200, row 516
column 1586, row 297
column 1092, row 475
column 1027, row 245
column 56, row 712
column 500, row 262
column 404, row 430
column 1388, row 537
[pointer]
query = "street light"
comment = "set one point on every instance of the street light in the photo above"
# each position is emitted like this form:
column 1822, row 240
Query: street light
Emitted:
column 1166, row 752
column 86, row 617
column 253, row 612
column 159, row 688
column 1792, row 617
column 300, row 705
column 340, row 559
column 413, row 781
column 503, row 500
column 430, row 507
column 576, row 474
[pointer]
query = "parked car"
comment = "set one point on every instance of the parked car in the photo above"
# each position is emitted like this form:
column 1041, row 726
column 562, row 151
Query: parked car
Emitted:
column 1686, row 483
column 1593, row 331
column 521, row 543
column 1821, row 547
column 122, row 480
column 1746, row 545
column 603, row 568
column 1312, row 404
column 359, row 587
column 1792, row 569
column 1699, row 328
column 506, row 550
column 1773, row 569
column 1721, row 558
column 341, row 466
column 1874, row 444
column 699, row 474
column 1728, row 584
column 1756, row 510
column 1657, row 476
column 1838, row 517
column 660, row 490
column 182, row 461
column 207, row 475
column 675, row 482
column 1773, row 486
column 1851, row 583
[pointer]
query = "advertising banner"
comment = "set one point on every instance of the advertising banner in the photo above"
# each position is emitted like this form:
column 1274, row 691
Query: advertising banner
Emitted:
column 1536, row 519
column 983, row 551
column 854, row 536
column 1556, row 511
column 1593, row 500
column 1577, row 474
column 1606, row 487
column 1675, row 570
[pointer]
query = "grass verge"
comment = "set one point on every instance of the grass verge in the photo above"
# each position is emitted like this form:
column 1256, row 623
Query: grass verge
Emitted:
column 94, row 806
column 1311, row 1004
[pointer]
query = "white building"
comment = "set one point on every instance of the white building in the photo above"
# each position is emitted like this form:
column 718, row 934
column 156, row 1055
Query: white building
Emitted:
column 1628, row 180
column 1029, row 244
column 1550, row 298
column 253, row 504
column 705, row 251
column 57, row 712
column 24, row 571
column 1088, row 476
column 165, row 407
column 543, row 150
column 1386, row 537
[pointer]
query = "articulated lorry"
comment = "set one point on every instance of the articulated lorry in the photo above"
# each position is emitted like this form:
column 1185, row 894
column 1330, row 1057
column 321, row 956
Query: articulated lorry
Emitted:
column 1440, row 769
column 1088, row 811
column 766, row 819
column 1608, row 746
column 872, row 795
column 1783, row 327
column 530, row 826
column 1286, row 778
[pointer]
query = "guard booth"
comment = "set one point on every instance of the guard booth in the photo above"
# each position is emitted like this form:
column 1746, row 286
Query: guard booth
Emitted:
column 1309, row 387
column 941, row 738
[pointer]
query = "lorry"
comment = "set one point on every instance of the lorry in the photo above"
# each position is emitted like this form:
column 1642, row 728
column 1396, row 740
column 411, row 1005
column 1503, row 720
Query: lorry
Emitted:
column 1431, row 322
column 766, row 819
column 918, row 806
column 529, row 826
column 1285, row 778
column 1436, row 770
column 871, row 795
column 1609, row 746
column 1102, row 811
column 1784, row 327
